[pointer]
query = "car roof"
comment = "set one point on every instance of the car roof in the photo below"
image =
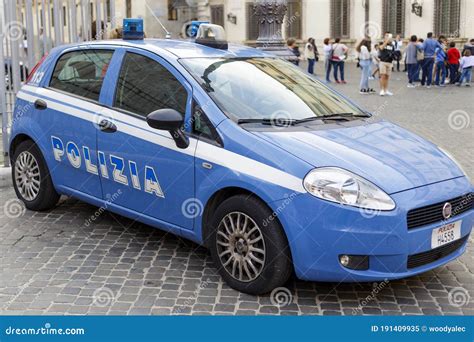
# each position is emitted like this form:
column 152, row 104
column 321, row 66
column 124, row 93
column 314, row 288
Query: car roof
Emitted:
column 183, row 48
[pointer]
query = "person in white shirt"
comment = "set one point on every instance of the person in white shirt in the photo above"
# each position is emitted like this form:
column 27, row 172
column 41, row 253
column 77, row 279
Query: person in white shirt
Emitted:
column 398, row 51
column 311, row 54
column 466, row 65
column 365, row 62
column 339, row 54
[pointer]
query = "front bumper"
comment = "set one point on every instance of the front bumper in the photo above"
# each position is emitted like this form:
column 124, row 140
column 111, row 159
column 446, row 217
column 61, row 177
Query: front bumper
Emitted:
column 319, row 231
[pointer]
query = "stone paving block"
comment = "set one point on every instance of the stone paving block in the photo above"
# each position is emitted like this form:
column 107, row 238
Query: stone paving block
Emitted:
column 51, row 263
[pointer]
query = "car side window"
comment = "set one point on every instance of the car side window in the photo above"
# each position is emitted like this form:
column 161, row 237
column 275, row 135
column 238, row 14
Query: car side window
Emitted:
column 144, row 86
column 81, row 72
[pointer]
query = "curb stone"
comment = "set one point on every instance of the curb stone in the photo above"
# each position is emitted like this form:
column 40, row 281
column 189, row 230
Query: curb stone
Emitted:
column 5, row 177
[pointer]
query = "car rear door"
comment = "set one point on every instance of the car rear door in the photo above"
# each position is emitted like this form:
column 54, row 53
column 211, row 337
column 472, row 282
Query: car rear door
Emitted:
column 147, row 172
column 67, row 109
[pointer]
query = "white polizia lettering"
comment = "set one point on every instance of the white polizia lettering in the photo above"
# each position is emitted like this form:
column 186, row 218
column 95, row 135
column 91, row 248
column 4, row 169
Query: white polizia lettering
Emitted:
column 87, row 157
column 96, row 163
column 151, row 182
column 117, row 173
column 73, row 154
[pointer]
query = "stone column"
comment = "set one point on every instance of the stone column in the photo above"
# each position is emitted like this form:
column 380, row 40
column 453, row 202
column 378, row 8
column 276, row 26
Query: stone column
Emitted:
column 270, row 15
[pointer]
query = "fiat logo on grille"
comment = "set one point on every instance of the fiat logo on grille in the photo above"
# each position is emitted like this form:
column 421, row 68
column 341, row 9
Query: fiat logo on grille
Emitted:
column 447, row 210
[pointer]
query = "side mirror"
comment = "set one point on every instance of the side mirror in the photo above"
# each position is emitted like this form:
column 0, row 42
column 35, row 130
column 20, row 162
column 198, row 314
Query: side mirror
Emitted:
column 169, row 120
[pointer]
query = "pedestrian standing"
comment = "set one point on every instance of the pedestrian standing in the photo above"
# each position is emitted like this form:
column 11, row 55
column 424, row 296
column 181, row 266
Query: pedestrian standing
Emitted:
column 411, row 61
column 339, row 54
column 429, row 47
column 311, row 54
column 327, row 58
column 440, row 59
column 386, row 62
column 453, row 62
column 467, row 62
column 398, row 51
column 365, row 62
column 420, row 57
column 295, row 50
column 375, row 60
column 469, row 46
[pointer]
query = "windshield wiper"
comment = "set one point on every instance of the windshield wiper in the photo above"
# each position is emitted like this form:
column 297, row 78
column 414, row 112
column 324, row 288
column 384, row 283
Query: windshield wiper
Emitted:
column 266, row 121
column 291, row 122
column 312, row 118
column 242, row 121
column 343, row 116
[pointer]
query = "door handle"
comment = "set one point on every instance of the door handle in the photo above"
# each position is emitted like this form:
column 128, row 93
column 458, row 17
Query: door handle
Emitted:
column 107, row 126
column 41, row 104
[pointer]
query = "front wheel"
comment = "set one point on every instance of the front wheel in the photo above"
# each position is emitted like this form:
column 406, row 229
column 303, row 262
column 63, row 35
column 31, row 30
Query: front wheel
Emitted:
column 31, row 179
column 249, row 246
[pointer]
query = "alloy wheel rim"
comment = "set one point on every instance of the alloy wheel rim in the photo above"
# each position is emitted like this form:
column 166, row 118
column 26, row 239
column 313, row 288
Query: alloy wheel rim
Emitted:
column 240, row 246
column 27, row 176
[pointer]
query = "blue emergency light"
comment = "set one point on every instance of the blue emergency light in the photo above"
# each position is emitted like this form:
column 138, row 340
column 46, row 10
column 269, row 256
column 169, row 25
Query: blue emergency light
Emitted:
column 133, row 28
column 194, row 27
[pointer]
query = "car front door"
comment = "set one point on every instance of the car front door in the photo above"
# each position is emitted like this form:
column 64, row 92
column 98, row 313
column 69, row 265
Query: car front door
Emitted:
column 144, row 170
column 66, row 109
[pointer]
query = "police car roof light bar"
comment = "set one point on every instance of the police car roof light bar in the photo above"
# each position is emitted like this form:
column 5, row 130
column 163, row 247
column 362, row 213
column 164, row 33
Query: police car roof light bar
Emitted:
column 133, row 28
column 212, row 35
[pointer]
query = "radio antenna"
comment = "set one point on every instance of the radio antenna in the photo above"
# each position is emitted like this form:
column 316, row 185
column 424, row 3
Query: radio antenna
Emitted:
column 167, row 33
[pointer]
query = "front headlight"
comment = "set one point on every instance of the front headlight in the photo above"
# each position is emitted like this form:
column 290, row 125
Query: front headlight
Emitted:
column 341, row 186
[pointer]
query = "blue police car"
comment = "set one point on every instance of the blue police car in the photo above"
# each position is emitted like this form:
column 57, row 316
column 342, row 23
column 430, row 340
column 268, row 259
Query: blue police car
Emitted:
column 242, row 152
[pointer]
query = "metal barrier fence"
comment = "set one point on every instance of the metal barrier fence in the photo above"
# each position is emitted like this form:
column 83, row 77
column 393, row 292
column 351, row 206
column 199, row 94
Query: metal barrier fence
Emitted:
column 30, row 28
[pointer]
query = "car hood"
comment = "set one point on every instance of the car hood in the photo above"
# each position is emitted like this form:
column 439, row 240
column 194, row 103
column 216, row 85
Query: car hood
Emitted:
column 385, row 154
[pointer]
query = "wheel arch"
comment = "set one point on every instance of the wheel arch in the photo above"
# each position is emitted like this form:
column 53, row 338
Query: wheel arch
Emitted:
column 17, row 140
column 217, row 198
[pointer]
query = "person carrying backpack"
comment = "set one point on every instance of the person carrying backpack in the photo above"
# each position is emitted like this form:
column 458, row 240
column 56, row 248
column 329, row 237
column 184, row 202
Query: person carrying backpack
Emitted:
column 311, row 54
column 420, row 57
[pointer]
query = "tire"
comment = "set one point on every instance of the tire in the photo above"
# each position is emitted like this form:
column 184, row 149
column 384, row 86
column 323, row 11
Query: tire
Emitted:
column 45, row 197
column 243, row 246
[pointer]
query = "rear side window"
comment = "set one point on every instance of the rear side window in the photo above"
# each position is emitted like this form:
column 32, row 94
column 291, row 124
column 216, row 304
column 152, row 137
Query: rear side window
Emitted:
column 81, row 72
column 144, row 86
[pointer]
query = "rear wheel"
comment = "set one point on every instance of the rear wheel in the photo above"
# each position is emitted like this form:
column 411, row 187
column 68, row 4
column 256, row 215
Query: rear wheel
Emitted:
column 249, row 246
column 31, row 179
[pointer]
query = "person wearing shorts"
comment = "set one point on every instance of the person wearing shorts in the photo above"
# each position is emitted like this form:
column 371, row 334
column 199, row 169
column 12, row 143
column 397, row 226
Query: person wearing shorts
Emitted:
column 385, row 68
column 386, row 56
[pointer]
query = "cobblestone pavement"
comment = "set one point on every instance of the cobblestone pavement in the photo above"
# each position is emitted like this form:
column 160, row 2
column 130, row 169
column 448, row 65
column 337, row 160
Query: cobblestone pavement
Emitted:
column 61, row 262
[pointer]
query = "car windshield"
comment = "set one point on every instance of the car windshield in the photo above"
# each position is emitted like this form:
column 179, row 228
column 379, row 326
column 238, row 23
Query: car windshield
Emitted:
column 266, row 89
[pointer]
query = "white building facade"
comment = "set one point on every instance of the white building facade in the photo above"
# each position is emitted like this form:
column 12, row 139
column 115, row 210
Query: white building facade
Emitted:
column 351, row 19
column 348, row 19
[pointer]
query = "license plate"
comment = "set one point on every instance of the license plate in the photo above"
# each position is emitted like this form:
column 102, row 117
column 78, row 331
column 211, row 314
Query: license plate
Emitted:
column 446, row 234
